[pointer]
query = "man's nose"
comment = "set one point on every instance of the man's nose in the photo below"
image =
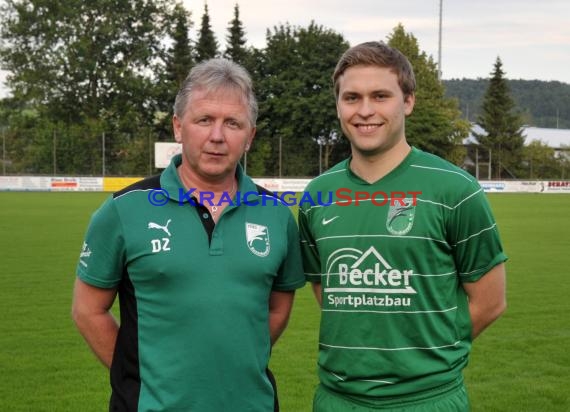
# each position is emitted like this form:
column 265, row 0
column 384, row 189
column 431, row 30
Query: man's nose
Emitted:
column 217, row 132
column 366, row 108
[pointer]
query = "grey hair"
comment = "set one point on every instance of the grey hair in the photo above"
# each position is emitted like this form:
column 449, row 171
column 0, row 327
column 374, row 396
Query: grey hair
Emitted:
column 215, row 74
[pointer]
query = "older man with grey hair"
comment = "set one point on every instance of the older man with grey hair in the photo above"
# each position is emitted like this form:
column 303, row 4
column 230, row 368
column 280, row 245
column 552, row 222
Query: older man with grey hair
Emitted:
column 205, row 282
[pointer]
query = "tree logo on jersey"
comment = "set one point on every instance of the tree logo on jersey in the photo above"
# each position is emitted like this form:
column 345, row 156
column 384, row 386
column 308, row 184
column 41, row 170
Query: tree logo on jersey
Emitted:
column 401, row 217
column 257, row 238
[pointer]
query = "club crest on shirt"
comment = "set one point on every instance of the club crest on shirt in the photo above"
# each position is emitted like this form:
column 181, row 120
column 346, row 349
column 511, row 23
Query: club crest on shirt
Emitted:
column 257, row 238
column 401, row 217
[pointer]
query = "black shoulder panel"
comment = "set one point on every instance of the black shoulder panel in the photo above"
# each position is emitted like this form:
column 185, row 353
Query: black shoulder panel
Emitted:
column 152, row 182
column 264, row 191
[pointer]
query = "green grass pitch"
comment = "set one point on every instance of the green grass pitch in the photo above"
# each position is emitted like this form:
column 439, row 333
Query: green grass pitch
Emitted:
column 521, row 363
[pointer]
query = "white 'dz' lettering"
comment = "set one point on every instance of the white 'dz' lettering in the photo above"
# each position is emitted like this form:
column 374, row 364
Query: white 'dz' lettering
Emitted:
column 160, row 245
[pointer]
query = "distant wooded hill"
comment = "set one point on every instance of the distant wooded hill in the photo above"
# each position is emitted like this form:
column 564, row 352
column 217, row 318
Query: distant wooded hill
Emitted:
column 541, row 103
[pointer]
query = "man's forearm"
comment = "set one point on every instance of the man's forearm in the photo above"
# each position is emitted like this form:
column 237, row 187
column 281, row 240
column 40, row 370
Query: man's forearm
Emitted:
column 277, row 325
column 487, row 299
column 100, row 332
column 90, row 312
column 280, row 304
column 482, row 317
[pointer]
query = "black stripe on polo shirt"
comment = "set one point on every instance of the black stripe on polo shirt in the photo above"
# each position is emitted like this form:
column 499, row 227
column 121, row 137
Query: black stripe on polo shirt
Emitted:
column 274, row 385
column 206, row 216
column 263, row 191
column 125, row 369
column 152, row 182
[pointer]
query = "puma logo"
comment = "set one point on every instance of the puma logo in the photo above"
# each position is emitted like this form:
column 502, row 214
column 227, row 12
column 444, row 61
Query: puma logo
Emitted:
column 152, row 225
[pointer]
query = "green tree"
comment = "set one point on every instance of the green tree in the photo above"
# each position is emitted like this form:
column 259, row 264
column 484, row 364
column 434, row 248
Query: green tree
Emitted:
column 502, row 125
column 260, row 153
column 236, row 49
column 257, row 158
column 178, row 63
column 564, row 160
column 84, row 67
column 81, row 55
column 435, row 125
column 541, row 161
column 297, row 108
column 543, row 104
column 207, row 45
column 9, row 110
column 179, row 59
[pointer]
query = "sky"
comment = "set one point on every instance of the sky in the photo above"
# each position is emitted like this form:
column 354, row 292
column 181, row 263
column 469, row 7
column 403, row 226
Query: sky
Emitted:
column 532, row 38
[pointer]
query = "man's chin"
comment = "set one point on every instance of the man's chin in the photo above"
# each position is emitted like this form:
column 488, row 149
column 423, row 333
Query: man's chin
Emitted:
column 368, row 150
column 217, row 172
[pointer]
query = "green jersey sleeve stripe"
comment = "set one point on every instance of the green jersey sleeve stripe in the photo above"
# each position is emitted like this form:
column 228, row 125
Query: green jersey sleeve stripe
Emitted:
column 444, row 171
column 493, row 226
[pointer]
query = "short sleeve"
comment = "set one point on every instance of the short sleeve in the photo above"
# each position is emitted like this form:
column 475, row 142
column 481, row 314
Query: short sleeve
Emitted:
column 474, row 236
column 290, row 276
column 102, row 257
column 309, row 252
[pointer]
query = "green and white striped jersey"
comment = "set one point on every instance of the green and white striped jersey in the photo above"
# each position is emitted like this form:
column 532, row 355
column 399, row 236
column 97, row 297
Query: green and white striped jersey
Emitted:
column 395, row 318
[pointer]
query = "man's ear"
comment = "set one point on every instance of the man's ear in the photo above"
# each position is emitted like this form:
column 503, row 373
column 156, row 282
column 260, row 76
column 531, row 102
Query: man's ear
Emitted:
column 250, row 139
column 176, row 127
column 409, row 103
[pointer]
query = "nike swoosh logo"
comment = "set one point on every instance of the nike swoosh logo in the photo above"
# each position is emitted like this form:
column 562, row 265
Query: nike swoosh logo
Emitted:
column 327, row 221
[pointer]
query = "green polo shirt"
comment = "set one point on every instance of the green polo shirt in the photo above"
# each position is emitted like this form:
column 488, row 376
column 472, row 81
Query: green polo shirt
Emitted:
column 194, row 332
